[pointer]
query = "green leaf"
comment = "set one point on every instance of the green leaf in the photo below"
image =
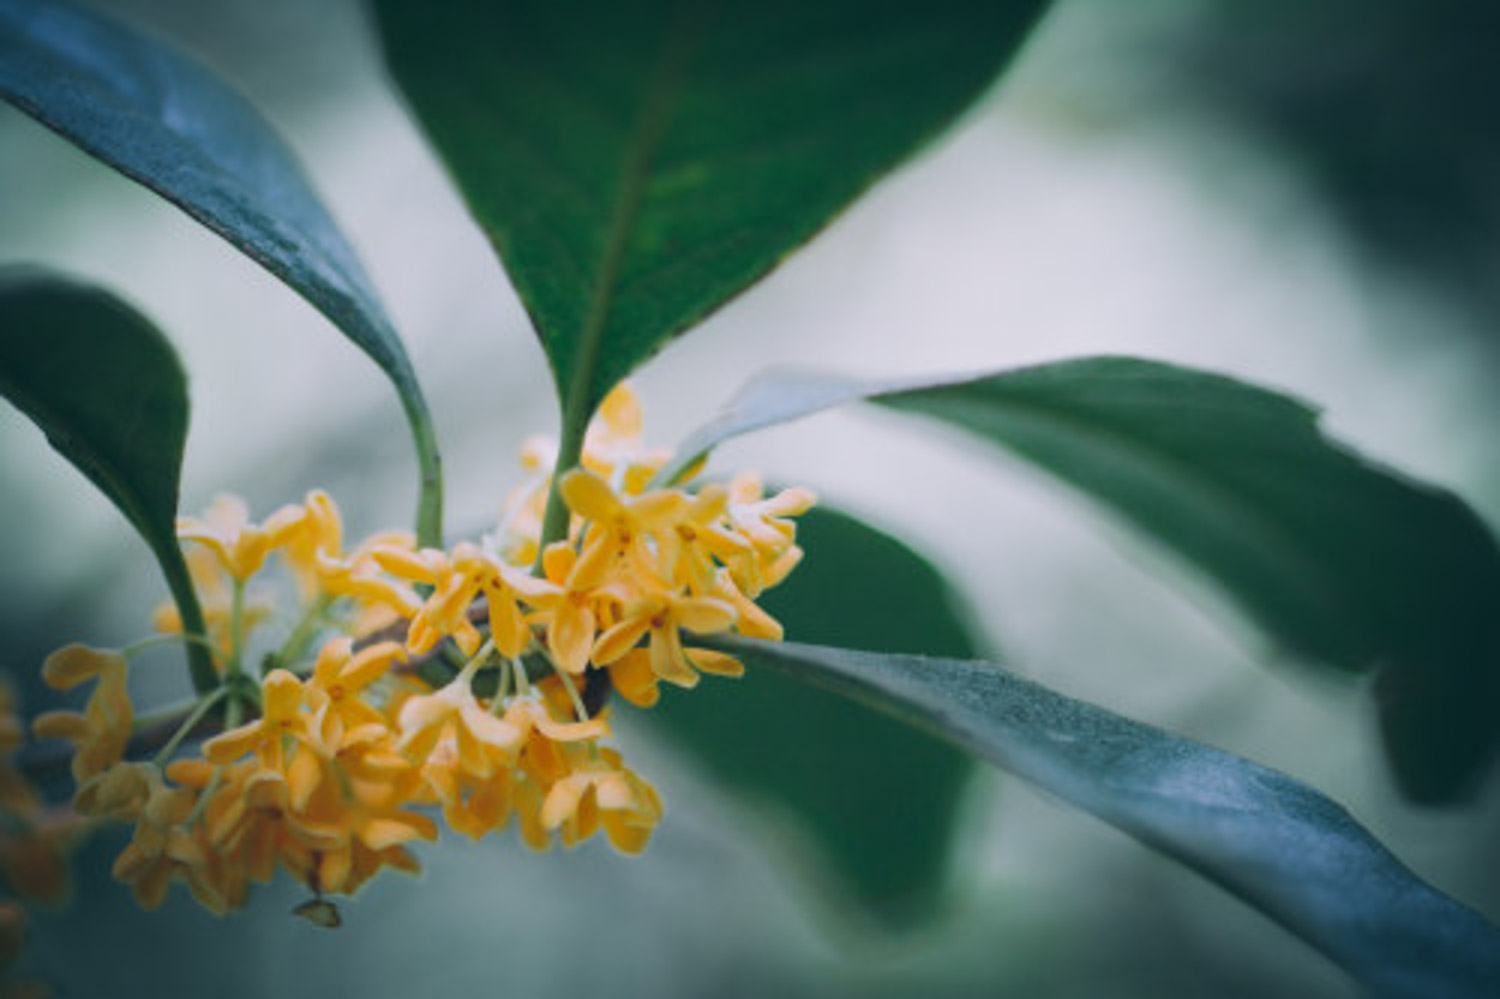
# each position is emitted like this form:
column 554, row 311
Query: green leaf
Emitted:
column 829, row 766
column 106, row 388
column 1277, row 844
column 1342, row 561
column 638, row 164
column 171, row 125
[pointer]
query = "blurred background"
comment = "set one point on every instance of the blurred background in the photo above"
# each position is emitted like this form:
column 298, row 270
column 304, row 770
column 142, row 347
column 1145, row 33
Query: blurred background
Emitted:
column 1300, row 194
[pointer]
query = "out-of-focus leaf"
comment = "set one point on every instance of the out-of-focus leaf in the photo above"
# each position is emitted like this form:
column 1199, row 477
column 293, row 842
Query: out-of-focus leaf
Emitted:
column 1277, row 844
column 638, row 164
column 1340, row 560
column 171, row 125
column 106, row 388
column 878, row 799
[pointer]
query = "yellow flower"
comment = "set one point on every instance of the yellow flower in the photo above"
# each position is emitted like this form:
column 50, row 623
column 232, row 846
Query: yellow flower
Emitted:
column 317, row 559
column 766, row 523
column 572, row 615
column 340, row 676
column 215, row 591
column 601, row 791
column 101, row 733
column 662, row 616
column 484, row 742
column 162, row 849
column 620, row 530
column 240, row 546
column 689, row 550
column 281, row 718
column 456, row 581
column 613, row 446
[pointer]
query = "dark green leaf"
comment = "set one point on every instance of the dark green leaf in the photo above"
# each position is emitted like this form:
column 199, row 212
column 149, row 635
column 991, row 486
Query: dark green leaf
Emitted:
column 105, row 387
column 1277, row 844
column 638, row 164
column 171, row 125
column 828, row 765
column 1342, row 561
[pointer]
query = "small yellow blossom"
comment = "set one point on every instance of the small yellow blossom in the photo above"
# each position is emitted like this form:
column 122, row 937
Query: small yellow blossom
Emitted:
column 601, row 791
column 349, row 747
column 240, row 546
column 101, row 733
column 662, row 616
column 282, row 717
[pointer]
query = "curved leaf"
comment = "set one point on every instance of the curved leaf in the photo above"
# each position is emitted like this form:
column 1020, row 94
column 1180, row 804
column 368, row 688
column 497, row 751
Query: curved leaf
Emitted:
column 827, row 764
column 638, row 164
column 1275, row 843
column 106, row 388
column 1341, row 560
column 171, row 125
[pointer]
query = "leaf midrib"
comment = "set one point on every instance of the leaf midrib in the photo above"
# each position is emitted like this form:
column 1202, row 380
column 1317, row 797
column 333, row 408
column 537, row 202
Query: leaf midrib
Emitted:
column 646, row 137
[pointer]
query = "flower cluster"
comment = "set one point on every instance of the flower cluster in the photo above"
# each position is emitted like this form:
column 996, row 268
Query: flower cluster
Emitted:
column 473, row 682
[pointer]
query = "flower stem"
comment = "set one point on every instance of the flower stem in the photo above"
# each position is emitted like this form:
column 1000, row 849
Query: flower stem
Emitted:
column 555, row 522
column 302, row 632
column 189, row 723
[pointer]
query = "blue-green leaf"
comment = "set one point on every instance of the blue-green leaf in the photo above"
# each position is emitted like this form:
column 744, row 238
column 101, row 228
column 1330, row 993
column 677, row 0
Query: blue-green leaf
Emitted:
column 106, row 388
column 1342, row 561
column 1278, row 845
column 171, row 125
column 637, row 164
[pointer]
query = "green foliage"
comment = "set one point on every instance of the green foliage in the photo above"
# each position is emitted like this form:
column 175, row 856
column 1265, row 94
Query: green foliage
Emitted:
column 174, row 127
column 638, row 164
column 880, row 798
column 106, row 388
column 1344, row 562
column 1277, row 844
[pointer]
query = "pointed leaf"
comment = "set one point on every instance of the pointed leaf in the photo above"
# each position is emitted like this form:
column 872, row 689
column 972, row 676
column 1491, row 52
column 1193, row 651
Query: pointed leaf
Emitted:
column 174, row 127
column 106, row 388
column 879, row 799
column 1341, row 560
column 637, row 164
column 1277, row 844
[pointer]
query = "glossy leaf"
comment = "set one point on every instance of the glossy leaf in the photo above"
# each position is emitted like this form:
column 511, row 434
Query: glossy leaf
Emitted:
column 1275, row 843
column 106, row 388
column 829, row 766
column 638, row 164
column 1342, row 561
column 173, row 126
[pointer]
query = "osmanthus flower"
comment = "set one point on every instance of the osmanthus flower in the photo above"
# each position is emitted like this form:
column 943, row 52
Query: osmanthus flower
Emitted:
column 614, row 444
column 456, row 581
column 349, row 752
column 662, row 616
column 475, row 803
column 340, row 678
column 572, row 617
column 620, row 530
column 162, row 849
column 102, row 731
column 483, row 742
column 315, row 554
column 267, row 737
column 240, row 546
column 216, row 597
column 601, row 791
column 766, row 522
column 688, row 552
